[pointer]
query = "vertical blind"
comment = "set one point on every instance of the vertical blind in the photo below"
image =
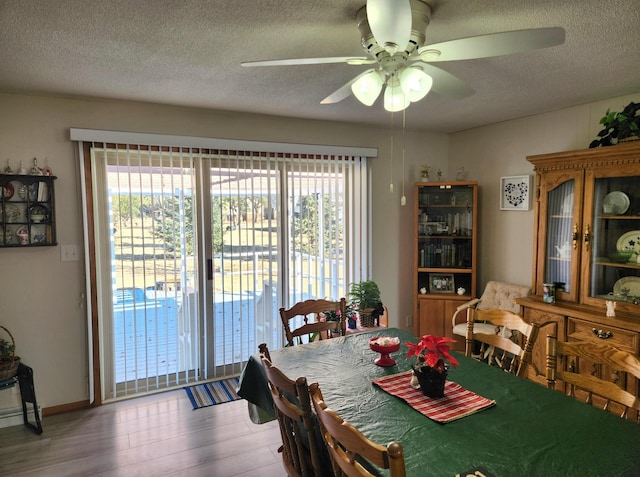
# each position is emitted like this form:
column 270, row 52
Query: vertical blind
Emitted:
column 204, row 245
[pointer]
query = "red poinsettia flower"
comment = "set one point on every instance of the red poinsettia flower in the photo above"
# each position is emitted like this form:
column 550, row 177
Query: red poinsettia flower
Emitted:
column 434, row 350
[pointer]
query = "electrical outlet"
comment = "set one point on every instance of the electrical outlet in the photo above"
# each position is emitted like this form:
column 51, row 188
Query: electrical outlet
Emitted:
column 408, row 320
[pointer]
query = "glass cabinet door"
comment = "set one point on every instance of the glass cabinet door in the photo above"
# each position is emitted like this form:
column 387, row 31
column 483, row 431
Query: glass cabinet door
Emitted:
column 445, row 239
column 613, row 243
column 559, row 238
column 561, row 228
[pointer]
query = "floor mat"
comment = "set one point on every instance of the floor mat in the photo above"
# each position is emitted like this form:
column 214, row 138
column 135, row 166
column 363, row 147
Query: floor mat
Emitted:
column 208, row 394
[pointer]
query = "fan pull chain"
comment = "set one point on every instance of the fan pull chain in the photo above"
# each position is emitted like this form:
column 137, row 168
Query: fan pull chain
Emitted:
column 403, row 199
column 391, row 161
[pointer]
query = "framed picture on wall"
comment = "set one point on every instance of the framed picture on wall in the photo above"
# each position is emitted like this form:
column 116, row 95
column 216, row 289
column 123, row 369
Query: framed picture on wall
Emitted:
column 515, row 192
column 441, row 283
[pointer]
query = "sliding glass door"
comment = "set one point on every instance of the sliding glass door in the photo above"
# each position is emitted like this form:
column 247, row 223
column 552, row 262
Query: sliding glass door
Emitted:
column 277, row 237
column 149, row 332
column 196, row 250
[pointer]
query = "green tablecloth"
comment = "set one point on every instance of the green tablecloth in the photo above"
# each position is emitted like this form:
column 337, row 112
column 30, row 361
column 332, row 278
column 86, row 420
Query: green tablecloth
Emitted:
column 532, row 431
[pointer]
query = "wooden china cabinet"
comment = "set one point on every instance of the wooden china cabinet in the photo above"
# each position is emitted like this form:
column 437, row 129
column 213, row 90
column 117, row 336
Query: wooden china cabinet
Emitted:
column 445, row 243
column 587, row 221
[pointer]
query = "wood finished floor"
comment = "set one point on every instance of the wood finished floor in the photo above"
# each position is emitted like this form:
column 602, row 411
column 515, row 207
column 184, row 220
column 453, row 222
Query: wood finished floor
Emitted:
column 159, row 435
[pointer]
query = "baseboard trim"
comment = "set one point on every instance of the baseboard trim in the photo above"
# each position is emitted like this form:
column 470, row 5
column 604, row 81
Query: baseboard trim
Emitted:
column 61, row 409
column 14, row 417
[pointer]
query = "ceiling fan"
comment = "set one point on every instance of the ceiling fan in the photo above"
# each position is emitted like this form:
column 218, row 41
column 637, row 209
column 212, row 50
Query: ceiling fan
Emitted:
column 393, row 35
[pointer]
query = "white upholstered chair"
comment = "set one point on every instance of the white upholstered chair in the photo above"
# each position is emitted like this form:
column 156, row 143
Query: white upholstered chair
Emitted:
column 496, row 295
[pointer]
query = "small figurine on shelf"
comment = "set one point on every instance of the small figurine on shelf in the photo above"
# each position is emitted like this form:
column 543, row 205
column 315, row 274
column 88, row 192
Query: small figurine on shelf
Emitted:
column 439, row 173
column 611, row 308
column 35, row 170
column 8, row 169
column 460, row 175
column 47, row 170
column 425, row 172
column 22, row 171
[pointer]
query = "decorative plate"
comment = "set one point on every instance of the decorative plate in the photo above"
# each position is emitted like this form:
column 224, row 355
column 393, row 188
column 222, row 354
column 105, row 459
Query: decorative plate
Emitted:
column 12, row 213
column 618, row 200
column 629, row 241
column 7, row 191
column 627, row 286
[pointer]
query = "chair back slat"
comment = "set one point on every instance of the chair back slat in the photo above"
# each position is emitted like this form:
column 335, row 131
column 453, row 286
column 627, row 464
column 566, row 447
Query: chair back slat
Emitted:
column 564, row 365
column 351, row 452
column 312, row 328
column 506, row 349
column 298, row 426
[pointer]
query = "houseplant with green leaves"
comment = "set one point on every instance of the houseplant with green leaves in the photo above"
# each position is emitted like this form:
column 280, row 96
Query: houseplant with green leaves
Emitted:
column 334, row 315
column 619, row 126
column 365, row 296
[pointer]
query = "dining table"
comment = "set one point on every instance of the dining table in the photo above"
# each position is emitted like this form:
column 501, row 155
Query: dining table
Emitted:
column 529, row 430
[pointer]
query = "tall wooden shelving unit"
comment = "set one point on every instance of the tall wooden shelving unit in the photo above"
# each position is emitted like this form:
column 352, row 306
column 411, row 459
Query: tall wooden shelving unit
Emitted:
column 445, row 245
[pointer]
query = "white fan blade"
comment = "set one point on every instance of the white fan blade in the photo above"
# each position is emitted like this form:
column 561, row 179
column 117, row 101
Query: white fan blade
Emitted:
column 352, row 60
column 496, row 44
column 390, row 23
column 344, row 91
column 445, row 84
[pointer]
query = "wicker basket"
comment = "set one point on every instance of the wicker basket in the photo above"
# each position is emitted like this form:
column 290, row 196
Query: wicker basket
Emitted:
column 9, row 368
column 366, row 318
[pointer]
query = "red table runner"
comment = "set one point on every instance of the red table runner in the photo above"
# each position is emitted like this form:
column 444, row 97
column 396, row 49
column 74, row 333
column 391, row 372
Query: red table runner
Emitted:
column 457, row 402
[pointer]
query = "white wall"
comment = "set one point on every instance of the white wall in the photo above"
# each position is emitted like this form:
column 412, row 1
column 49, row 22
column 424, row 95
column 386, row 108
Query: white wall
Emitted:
column 42, row 300
column 498, row 150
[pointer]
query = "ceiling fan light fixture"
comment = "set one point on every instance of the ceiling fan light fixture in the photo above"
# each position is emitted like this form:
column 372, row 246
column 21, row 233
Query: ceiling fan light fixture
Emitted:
column 367, row 88
column 394, row 97
column 390, row 22
column 415, row 83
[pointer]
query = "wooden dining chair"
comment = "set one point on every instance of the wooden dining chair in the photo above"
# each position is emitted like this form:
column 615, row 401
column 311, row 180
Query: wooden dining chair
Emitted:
column 500, row 295
column 351, row 452
column 502, row 347
column 301, row 443
column 312, row 328
column 564, row 362
column 263, row 349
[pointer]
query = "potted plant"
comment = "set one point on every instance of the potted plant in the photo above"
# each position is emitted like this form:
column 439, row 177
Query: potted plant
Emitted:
column 334, row 315
column 619, row 126
column 365, row 296
column 8, row 360
column 430, row 370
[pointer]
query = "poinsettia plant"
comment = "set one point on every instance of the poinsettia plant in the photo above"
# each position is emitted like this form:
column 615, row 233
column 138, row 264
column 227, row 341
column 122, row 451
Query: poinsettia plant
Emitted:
column 432, row 351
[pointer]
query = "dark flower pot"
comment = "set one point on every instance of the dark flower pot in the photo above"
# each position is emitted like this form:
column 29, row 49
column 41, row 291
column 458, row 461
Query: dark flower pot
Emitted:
column 431, row 381
column 351, row 324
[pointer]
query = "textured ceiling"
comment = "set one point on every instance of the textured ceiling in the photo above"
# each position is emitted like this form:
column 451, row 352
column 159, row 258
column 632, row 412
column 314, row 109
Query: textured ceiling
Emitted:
column 188, row 52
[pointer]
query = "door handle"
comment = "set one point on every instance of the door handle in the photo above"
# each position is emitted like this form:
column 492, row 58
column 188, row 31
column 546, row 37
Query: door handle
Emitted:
column 587, row 237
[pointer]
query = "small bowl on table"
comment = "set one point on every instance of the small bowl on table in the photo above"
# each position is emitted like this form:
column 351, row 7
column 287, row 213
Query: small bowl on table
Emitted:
column 385, row 346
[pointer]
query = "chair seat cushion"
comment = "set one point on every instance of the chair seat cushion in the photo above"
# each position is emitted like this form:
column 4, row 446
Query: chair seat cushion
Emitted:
column 485, row 328
column 502, row 295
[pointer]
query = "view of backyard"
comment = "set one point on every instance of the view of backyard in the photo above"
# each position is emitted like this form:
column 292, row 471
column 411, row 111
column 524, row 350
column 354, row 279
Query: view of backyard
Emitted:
column 156, row 285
